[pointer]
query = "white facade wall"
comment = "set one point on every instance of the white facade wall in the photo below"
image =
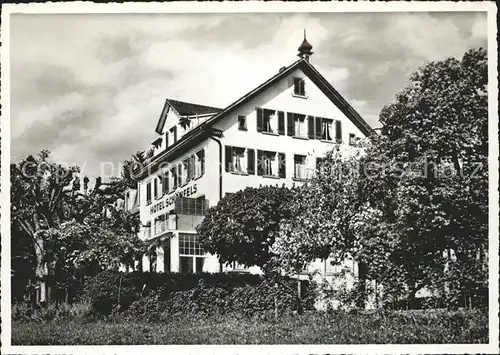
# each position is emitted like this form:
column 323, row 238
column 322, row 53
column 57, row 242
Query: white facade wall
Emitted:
column 278, row 97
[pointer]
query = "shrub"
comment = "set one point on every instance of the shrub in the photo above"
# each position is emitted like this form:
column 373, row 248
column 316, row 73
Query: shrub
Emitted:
column 156, row 295
column 50, row 312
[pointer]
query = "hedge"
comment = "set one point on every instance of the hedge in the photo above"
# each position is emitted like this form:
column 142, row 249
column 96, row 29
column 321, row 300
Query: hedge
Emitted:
column 156, row 295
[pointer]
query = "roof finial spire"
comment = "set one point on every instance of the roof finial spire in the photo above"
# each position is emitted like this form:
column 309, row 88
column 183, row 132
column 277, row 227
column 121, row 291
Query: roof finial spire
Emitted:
column 305, row 49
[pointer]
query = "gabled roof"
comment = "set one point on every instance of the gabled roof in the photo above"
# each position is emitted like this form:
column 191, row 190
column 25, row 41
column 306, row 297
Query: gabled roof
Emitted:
column 183, row 109
column 317, row 79
column 301, row 64
column 189, row 109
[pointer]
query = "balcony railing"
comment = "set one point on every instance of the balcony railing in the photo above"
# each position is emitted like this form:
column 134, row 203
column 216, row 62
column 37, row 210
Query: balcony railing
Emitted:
column 191, row 206
column 160, row 227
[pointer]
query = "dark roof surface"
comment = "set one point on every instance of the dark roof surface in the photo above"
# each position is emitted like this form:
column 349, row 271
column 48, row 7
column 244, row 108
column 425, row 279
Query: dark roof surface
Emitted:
column 189, row 109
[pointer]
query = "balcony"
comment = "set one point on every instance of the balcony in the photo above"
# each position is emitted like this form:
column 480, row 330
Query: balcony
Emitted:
column 191, row 206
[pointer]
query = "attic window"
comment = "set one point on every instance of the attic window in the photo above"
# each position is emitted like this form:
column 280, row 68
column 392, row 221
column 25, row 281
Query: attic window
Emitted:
column 352, row 139
column 242, row 123
column 299, row 87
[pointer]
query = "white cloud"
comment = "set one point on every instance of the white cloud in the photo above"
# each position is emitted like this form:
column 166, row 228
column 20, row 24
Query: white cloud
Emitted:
column 122, row 67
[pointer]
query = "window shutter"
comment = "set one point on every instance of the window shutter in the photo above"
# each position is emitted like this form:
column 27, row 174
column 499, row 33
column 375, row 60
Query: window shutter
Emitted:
column 174, row 131
column 296, row 86
column 260, row 120
column 250, row 161
column 165, row 183
column 319, row 127
column 260, row 169
column 281, row 122
column 190, row 166
column 290, row 123
column 310, row 121
column 202, row 158
column 281, row 165
column 229, row 155
column 179, row 174
column 338, row 131
column 148, row 192
column 173, row 172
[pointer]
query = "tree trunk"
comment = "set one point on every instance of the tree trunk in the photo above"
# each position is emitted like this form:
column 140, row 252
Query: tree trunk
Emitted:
column 41, row 269
column 361, row 299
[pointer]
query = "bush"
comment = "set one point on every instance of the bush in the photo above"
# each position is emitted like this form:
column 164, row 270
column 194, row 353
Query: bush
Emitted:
column 50, row 312
column 156, row 295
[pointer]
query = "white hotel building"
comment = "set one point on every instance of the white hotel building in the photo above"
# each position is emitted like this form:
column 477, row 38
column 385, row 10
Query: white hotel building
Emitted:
column 273, row 135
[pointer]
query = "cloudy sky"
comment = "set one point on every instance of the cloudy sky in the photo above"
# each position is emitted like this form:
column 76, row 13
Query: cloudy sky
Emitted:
column 90, row 88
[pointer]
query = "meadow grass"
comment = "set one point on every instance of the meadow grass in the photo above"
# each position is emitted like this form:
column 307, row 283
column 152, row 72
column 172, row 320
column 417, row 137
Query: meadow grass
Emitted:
column 403, row 327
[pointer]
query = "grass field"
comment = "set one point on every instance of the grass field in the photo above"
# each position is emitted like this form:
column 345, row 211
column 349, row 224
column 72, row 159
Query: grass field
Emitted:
column 313, row 328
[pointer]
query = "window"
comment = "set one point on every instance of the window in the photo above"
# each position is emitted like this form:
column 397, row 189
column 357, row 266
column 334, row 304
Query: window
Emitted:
column 352, row 139
column 299, row 125
column 173, row 131
column 166, row 139
column 240, row 160
column 326, row 129
column 191, row 253
column 331, row 267
column 156, row 189
column 148, row 193
column 338, row 131
column 187, row 170
column 299, row 87
column 182, row 169
column 266, row 120
column 242, row 123
column 160, row 224
column 237, row 159
column 164, row 179
column 300, row 168
column 147, row 232
column 173, row 178
column 191, row 206
column 269, row 165
column 199, row 163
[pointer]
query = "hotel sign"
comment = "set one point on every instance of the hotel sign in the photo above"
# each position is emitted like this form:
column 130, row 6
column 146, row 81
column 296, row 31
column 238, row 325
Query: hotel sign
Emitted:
column 169, row 200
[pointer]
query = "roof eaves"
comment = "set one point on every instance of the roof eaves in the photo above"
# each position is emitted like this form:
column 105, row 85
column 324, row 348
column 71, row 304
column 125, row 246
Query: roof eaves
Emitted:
column 163, row 117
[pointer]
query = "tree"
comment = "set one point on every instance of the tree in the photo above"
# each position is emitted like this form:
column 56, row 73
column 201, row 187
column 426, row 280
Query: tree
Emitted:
column 44, row 195
column 321, row 212
column 419, row 197
column 138, row 160
column 430, row 191
column 244, row 225
column 322, row 215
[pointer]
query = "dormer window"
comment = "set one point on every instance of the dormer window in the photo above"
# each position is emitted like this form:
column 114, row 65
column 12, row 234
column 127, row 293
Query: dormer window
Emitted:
column 242, row 123
column 299, row 87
